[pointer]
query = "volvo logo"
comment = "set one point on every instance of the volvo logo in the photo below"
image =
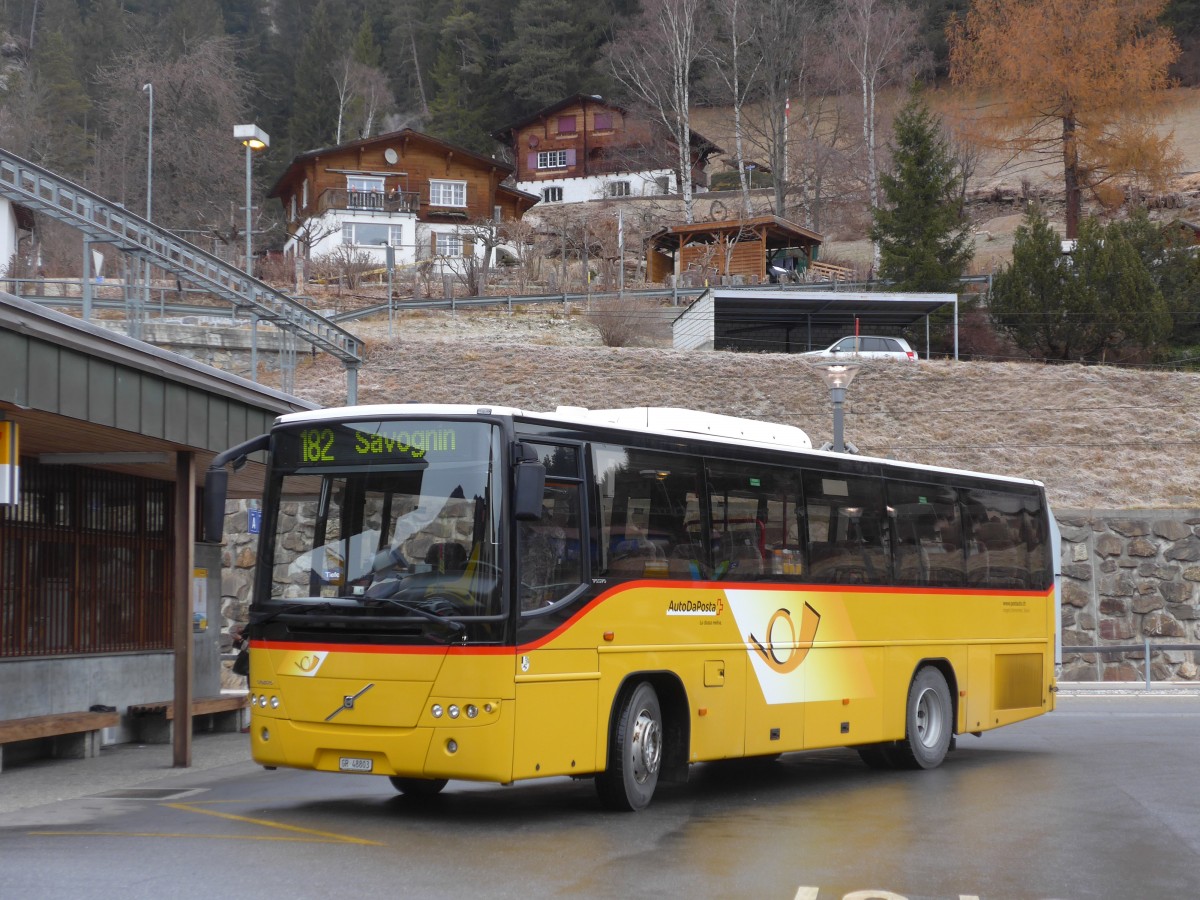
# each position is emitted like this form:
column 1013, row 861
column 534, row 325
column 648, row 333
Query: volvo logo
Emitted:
column 348, row 701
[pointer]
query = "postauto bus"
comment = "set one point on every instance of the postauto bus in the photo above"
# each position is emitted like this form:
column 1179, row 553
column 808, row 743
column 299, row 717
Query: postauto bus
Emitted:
column 483, row 593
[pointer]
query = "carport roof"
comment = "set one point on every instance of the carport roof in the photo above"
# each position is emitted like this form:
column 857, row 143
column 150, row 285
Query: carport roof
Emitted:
column 824, row 307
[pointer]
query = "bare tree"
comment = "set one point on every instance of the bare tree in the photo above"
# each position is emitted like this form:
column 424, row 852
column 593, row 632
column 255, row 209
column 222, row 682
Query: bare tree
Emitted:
column 653, row 61
column 738, row 71
column 878, row 39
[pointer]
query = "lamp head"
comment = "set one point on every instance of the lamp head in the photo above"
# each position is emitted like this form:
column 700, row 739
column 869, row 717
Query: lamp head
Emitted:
column 837, row 374
column 252, row 136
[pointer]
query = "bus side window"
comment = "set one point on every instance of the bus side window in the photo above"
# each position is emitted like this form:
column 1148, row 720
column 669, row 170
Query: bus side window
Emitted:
column 550, row 557
column 755, row 529
column 849, row 540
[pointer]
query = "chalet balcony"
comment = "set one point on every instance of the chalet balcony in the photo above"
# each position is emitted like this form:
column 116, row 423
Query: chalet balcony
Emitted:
column 371, row 201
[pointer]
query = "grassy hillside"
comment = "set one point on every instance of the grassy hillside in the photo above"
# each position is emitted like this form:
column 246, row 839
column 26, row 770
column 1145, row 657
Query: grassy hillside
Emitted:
column 1097, row 436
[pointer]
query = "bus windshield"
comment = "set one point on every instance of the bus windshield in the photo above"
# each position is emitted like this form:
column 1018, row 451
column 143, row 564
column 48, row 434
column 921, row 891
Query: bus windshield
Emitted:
column 391, row 517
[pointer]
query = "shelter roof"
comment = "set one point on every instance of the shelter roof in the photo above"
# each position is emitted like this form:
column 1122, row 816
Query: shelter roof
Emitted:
column 778, row 232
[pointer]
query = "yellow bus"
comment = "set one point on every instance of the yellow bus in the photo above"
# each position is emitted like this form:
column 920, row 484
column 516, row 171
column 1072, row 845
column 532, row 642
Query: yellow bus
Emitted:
column 484, row 593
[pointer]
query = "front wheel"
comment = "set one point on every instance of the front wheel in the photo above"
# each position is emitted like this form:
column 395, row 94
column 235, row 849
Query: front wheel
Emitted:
column 634, row 752
column 929, row 722
column 418, row 787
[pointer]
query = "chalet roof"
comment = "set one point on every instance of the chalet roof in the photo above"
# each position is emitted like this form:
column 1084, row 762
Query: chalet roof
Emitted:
column 404, row 135
column 777, row 231
column 506, row 134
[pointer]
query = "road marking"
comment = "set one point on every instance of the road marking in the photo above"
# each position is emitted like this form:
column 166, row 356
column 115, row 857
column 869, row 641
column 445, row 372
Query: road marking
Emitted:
column 267, row 823
column 311, row 836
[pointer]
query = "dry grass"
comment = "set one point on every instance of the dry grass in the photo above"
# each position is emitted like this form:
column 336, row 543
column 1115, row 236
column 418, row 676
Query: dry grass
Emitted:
column 1098, row 437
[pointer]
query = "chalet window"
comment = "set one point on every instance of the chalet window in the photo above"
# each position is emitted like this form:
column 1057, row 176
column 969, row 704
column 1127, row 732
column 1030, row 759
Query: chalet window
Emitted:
column 447, row 193
column 618, row 188
column 292, row 209
column 566, row 125
column 368, row 234
column 364, row 192
column 552, row 195
column 554, row 159
column 663, row 184
column 603, row 121
column 304, row 195
column 447, row 244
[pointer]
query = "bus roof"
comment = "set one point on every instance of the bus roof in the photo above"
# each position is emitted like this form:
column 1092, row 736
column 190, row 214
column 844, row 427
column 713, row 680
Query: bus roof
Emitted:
column 658, row 420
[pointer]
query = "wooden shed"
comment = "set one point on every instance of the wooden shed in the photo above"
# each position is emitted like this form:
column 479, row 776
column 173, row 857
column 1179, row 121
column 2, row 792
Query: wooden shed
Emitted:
column 761, row 249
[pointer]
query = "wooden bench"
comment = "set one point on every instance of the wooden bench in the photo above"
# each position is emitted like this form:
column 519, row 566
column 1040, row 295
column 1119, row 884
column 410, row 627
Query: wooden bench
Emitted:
column 152, row 722
column 74, row 735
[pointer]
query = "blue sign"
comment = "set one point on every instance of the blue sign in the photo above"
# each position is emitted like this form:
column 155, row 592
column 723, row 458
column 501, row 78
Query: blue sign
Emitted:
column 254, row 520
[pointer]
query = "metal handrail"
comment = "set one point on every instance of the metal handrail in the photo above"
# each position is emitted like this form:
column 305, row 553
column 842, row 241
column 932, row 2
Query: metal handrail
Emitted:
column 1145, row 647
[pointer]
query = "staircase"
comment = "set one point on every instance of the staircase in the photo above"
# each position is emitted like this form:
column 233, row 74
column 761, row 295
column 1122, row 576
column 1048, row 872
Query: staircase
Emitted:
column 103, row 220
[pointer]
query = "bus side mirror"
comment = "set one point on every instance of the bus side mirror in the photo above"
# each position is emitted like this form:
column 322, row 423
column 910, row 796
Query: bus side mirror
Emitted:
column 529, row 484
column 216, row 486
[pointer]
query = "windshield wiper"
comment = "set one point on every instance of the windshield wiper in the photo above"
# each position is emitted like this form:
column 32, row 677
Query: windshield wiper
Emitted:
column 291, row 608
column 456, row 627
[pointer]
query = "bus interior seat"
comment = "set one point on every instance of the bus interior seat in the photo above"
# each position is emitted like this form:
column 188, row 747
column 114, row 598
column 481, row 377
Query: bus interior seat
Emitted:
column 448, row 556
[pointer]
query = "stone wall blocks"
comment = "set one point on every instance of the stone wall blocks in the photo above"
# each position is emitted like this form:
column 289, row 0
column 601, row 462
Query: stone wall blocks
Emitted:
column 1147, row 604
column 1076, row 533
column 1191, row 573
column 1114, row 606
column 1175, row 591
column 1171, row 530
column 1116, row 630
column 1081, row 553
column 1163, row 573
column 1184, row 611
column 1081, row 572
column 1074, row 594
column 1109, row 545
column 1143, row 548
column 1117, row 586
column 1187, row 550
column 1162, row 624
column 1086, row 621
column 1129, row 527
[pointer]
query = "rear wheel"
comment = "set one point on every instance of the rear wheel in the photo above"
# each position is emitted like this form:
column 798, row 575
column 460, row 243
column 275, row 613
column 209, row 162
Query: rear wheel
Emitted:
column 634, row 752
column 418, row 787
column 929, row 722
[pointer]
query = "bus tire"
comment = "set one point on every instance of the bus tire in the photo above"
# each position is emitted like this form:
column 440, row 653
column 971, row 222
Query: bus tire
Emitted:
column 419, row 788
column 929, row 722
column 635, row 752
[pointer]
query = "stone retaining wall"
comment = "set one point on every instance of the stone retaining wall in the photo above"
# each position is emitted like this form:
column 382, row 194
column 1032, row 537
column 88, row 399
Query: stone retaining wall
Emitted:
column 1127, row 575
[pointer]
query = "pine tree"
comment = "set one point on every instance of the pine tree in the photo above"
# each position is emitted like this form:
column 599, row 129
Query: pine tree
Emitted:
column 455, row 113
column 553, row 52
column 922, row 232
column 314, row 116
column 62, row 139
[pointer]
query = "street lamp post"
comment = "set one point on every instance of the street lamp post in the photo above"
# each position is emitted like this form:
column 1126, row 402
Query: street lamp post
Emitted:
column 837, row 376
column 149, row 89
column 252, row 138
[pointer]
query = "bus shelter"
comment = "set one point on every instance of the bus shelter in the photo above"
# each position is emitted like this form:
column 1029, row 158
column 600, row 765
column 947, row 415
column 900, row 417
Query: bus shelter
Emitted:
column 107, row 601
column 797, row 321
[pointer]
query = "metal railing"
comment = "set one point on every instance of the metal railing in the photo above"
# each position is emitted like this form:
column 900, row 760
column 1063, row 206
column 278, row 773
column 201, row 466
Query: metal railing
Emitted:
column 104, row 221
column 1145, row 648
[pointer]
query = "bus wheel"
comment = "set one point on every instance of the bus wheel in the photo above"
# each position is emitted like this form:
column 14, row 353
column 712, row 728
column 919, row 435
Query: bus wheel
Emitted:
column 634, row 752
column 417, row 787
column 929, row 722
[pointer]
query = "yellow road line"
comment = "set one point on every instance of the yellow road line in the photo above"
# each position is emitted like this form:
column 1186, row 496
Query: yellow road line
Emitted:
column 312, row 835
column 266, row 823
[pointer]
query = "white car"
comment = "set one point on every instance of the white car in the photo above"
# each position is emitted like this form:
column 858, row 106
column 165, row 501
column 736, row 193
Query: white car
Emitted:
column 868, row 347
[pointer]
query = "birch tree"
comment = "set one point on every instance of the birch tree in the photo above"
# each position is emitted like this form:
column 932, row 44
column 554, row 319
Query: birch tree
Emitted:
column 653, row 61
column 730, row 54
column 878, row 39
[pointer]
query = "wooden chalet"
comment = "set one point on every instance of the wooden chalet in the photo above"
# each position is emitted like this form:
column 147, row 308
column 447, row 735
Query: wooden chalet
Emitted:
column 585, row 147
column 403, row 188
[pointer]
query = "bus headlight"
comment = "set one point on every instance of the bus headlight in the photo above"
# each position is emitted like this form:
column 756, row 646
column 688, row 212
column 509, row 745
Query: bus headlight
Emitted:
column 437, row 710
column 274, row 703
column 472, row 710
column 453, row 711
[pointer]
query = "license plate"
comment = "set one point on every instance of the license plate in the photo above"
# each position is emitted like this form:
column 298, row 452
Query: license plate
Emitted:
column 354, row 764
